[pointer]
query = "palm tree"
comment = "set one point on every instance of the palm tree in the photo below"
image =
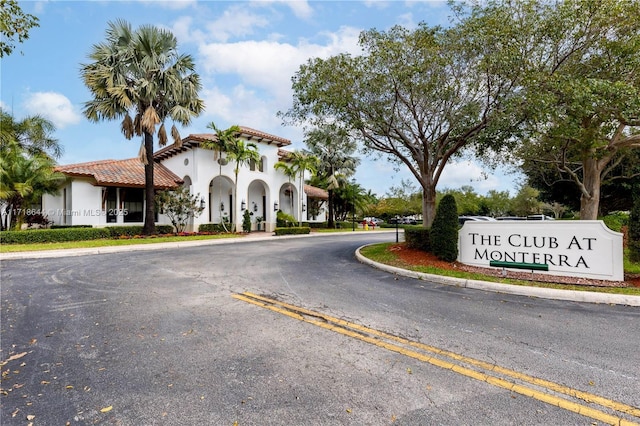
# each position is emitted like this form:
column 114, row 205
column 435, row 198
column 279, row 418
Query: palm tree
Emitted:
column 241, row 154
column 140, row 74
column 32, row 134
column 302, row 162
column 334, row 149
column 290, row 172
column 23, row 179
column 224, row 140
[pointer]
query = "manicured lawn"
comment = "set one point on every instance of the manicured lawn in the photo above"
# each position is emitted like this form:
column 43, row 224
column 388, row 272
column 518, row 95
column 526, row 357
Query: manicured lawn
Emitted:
column 8, row 248
column 380, row 253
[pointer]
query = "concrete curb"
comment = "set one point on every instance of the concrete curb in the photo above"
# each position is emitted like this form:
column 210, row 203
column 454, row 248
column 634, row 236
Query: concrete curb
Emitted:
column 543, row 293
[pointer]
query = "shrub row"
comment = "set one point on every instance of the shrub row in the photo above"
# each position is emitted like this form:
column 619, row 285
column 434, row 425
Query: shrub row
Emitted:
column 53, row 235
column 212, row 227
column 294, row 230
column 75, row 233
column 418, row 238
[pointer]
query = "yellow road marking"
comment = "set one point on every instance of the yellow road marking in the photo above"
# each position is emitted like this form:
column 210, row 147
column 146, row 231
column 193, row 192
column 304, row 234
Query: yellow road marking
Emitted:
column 374, row 337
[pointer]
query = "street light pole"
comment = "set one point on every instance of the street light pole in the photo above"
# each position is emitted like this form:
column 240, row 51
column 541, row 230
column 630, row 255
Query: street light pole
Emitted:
column 397, row 220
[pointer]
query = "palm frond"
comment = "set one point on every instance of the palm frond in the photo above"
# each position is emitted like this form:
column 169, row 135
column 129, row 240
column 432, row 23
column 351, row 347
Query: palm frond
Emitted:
column 162, row 135
column 142, row 154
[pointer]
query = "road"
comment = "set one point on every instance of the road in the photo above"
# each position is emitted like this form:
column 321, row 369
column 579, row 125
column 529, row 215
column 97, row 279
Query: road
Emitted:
column 297, row 332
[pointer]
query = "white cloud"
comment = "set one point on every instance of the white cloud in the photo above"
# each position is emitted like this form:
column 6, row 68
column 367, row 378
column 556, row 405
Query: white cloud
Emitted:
column 458, row 174
column 300, row 8
column 269, row 64
column 236, row 21
column 172, row 4
column 53, row 106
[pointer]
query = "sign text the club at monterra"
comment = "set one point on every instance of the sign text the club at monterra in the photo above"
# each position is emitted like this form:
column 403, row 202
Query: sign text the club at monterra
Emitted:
column 577, row 248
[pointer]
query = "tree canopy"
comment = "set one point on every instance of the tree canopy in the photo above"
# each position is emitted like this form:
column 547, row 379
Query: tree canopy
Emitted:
column 418, row 96
column 14, row 24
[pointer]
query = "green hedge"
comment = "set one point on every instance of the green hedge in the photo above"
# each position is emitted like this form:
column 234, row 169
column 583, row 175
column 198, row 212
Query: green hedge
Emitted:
column 212, row 227
column 294, row 230
column 74, row 233
column 53, row 235
column 133, row 230
column 418, row 238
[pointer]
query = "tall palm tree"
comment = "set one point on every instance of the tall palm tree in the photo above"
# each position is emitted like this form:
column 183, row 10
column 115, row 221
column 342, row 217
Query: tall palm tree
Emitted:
column 241, row 154
column 224, row 140
column 301, row 163
column 23, row 179
column 33, row 134
column 140, row 74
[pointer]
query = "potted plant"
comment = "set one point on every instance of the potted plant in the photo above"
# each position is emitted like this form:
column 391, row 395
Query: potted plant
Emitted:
column 259, row 220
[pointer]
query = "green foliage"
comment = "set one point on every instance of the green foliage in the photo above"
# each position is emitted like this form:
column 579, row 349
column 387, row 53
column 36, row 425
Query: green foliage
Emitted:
column 246, row 221
column 293, row 230
column 634, row 230
column 133, row 230
column 53, row 235
column 418, row 238
column 179, row 206
column 15, row 23
column 211, row 227
column 616, row 220
column 284, row 220
column 444, row 230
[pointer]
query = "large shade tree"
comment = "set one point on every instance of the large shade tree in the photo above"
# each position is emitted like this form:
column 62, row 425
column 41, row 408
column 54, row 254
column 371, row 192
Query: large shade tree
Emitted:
column 418, row 96
column 585, row 88
column 139, row 77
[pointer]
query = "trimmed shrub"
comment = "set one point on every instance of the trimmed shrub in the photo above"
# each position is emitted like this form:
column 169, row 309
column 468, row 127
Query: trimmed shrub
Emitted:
column 634, row 230
column 293, row 230
column 285, row 220
column 70, row 226
column 133, row 230
column 211, row 227
column 53, row 235
column 616, row 220
column 418, row 238
column 444, row 230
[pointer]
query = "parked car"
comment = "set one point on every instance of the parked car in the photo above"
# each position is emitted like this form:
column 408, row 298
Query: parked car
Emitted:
column 511, row 218
column 463, row 219
column 539, row 217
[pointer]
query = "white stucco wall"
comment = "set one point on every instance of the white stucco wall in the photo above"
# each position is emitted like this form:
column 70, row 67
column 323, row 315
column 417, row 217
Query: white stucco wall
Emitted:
column 261, row 189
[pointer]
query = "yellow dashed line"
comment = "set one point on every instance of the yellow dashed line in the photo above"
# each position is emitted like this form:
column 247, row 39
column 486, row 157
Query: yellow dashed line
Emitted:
column 374, row 337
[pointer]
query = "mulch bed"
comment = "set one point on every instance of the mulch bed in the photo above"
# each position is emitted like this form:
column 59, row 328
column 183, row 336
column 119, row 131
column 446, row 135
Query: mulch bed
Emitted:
column 421, row 258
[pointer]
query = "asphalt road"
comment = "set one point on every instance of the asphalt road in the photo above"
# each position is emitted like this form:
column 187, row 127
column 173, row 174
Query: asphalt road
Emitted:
column 167, row 337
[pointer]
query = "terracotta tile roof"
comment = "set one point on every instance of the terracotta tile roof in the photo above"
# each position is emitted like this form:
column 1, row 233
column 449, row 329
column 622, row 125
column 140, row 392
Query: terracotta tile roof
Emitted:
column 194, row 140
column 315, row 192
column 124, row 173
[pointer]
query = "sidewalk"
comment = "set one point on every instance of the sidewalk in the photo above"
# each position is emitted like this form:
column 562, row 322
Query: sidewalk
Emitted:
column 545, row 293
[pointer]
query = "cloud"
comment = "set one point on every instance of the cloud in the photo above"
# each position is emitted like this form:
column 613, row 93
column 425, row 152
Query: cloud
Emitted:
column 236, row 21
column 53, row 106
column 300, row 8
column 468, row 173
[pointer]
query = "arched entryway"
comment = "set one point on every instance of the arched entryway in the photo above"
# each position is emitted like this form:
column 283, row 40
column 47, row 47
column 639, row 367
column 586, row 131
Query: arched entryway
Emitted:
column 257, row 203
column 221, row 200
column 288, row 199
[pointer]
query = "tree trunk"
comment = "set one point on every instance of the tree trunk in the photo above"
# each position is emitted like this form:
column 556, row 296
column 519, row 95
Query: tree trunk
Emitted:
column 591, row 181
column 428, row 205
column 149, row 192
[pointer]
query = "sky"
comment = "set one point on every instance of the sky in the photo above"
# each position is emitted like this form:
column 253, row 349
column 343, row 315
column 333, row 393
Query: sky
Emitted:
column 245, row 53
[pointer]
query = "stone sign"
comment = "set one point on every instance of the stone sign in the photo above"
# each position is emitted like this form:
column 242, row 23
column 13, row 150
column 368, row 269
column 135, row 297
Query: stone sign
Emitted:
column 577, row 248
